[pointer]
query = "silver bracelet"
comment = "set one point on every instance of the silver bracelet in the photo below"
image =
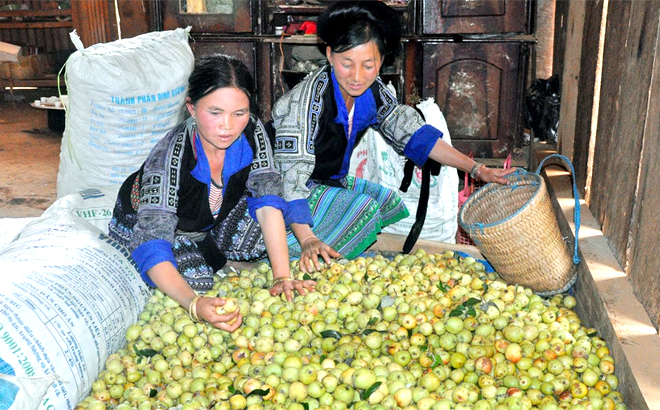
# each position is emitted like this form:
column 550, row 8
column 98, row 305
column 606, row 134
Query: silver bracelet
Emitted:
column 475, row 169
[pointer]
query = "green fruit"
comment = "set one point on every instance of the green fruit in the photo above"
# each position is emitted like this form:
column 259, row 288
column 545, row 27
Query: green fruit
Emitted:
column 454, row 325
column 430, row 381
column 344, row 393
column 363, row 378
column 330, row 383
column 315, row 389
column 297, row 391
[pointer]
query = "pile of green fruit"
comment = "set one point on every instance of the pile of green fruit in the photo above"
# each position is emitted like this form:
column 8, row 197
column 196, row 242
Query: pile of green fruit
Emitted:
column 420, row 331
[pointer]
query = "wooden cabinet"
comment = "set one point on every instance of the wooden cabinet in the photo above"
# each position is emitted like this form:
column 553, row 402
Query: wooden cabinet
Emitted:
column 209, row 16
column 475, row 16
column 479, row 88
column 475, row 55
column 243, row 49
column 470, row 55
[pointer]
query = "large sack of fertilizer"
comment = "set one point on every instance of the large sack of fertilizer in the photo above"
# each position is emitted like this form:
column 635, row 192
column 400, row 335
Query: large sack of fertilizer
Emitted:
column 376, row 161
column 10, row 227
column 67, row 295
column 124, row 96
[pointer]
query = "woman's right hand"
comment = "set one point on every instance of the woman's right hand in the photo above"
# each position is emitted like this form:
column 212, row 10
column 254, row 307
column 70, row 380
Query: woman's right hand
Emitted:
column 309, row 256
column 206, row 310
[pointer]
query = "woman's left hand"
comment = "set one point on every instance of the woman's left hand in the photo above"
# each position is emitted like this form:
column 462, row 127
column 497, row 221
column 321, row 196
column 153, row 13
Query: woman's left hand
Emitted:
column 486, row 174
column 288, row 286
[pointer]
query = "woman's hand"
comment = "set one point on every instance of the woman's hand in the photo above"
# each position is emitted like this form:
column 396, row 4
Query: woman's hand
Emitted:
column 312, row 247
column 288, row 286
column 448, row 155
column 494, row 174
column 206, row 310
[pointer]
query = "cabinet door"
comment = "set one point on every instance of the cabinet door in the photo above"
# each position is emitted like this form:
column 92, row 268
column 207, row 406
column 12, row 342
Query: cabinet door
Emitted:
column 474, row 16
column 215, row 16
column 478, row 87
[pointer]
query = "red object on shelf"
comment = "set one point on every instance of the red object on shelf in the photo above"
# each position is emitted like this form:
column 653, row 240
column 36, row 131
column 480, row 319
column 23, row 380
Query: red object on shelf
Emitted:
column 309, row 27
column 305, row 27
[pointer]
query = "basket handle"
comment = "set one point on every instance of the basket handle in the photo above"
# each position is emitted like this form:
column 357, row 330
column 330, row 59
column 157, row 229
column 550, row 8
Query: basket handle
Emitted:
column 576, row 196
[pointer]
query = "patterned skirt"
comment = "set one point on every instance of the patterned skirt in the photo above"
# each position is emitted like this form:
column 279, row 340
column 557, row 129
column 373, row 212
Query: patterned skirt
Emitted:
column 238, row 237
column 349, row 219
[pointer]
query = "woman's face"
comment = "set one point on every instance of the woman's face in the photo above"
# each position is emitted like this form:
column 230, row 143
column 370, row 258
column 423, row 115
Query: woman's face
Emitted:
column 356, row 69
column 221, row 117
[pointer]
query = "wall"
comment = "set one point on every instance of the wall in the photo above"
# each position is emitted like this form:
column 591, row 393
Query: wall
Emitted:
column 616, row 135
column 545, row 28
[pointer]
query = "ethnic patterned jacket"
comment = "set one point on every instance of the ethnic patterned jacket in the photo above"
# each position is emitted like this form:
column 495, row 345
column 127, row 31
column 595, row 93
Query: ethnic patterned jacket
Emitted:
column 170, row 192
column 311, row 142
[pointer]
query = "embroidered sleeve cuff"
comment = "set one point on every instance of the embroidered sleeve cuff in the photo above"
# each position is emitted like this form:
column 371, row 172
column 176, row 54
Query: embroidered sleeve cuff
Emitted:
column 298, row 212
column 266, row 200
column 150, row 254
column 421, row 143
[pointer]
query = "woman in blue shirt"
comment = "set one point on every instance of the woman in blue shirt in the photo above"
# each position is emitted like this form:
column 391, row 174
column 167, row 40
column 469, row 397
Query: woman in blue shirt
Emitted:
column 321, row 120
column 207, row 192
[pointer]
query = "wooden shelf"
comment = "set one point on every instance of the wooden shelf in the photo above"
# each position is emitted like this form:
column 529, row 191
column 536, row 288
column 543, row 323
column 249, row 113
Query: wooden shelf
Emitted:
column 37, row 19
column 42, row 24
column 36, row 13
column 294, row 39
column 31, row 82
column 314, row 8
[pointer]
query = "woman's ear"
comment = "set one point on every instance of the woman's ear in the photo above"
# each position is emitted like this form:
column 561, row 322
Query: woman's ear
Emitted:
column 190, row 107
column 328, row 54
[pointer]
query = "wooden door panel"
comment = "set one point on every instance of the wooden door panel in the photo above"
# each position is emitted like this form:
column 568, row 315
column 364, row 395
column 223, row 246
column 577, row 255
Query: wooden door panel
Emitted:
column 476, row 86
column 208, row 16
column 470, row 90
column 474, row 16
column 242, row 50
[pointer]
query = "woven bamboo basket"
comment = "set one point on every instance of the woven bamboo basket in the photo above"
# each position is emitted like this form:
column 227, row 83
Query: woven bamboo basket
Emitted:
column 515, row 227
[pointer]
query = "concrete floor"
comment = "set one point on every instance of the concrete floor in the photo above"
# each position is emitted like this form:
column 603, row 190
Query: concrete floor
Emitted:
column 29, row 157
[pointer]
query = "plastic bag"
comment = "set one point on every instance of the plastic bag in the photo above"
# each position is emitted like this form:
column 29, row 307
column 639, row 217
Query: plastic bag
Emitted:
column 377, row 162
column 542, row 108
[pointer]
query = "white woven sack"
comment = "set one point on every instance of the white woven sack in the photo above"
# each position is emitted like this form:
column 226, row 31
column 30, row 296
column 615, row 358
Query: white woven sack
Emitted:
column 92, row 205
column 124, row 96
column 10, row 227
column 376, row 161
column 67, row 295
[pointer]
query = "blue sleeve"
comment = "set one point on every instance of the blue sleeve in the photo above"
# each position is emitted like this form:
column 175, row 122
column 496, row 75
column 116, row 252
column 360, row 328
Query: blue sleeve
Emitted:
column 421, row 143
column 150, row 254
column 298, row 212
column 266, row 200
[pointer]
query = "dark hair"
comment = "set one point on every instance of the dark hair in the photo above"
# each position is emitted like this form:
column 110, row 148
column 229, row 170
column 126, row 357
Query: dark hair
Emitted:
column 214, row 71
column 348, row 24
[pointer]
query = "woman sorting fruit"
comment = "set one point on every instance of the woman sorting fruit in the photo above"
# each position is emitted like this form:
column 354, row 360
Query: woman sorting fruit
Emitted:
column 208, row 191
column 321, row 120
